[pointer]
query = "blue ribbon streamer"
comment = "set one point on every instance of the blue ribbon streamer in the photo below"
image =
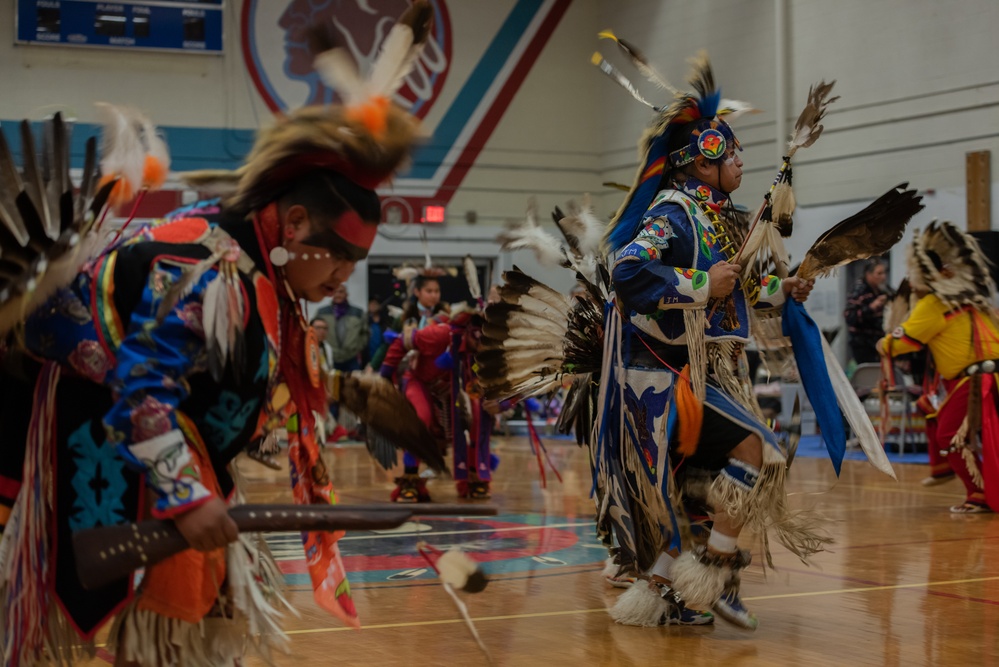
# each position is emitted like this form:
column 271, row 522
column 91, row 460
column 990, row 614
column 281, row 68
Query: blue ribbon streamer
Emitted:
column 806, row 341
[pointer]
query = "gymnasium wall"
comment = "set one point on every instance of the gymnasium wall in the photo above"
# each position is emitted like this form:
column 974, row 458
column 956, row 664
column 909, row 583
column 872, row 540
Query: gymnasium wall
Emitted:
column 918, row 84
column 917, row 80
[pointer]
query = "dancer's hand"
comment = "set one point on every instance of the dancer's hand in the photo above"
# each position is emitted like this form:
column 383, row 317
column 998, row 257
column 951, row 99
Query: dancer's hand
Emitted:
column 722, row 277
column 208, row 526
column 797, row 288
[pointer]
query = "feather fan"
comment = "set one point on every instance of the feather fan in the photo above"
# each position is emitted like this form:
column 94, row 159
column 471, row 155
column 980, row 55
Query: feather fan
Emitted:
column 870, row 232
column 379, row 404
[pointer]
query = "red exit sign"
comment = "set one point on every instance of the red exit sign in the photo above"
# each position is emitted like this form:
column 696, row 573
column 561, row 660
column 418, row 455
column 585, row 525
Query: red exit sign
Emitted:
column 432, row 214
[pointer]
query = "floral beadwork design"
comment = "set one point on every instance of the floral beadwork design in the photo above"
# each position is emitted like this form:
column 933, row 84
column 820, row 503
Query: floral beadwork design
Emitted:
column 90, row 360
column 150, row 418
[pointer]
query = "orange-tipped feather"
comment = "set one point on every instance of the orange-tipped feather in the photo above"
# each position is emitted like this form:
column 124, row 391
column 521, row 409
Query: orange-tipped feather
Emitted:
column 121, row 193
column 154, row 173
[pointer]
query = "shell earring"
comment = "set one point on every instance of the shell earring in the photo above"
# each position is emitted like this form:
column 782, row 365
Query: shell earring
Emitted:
column 279, row 256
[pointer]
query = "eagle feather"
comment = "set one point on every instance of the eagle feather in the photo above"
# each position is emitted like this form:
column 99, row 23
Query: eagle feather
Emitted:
column 380, row 405
column 871, row 231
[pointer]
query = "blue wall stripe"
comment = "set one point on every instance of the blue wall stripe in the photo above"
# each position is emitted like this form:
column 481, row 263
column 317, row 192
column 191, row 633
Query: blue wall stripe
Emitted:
column 220, row 148
column 428, row 158
column 190, row 147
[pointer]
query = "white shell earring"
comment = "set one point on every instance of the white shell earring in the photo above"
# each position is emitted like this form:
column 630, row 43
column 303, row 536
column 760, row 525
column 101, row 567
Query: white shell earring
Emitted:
column 279, row 256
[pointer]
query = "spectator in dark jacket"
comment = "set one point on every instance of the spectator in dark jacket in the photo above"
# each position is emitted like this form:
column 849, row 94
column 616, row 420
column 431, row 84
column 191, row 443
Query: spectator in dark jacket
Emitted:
column 865, row 312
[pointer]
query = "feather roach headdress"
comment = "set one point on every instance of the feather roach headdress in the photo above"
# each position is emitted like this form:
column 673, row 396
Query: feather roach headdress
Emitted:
column 366, row 138
column 692, row 124
column 949, row 262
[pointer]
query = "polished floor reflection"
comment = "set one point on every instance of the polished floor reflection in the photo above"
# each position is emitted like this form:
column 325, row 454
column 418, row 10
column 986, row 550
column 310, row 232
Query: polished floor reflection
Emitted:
column 906, row 583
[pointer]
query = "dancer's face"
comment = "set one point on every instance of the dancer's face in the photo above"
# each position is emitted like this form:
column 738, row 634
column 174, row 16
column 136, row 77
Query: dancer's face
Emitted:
column 429, row 295
column 725, row 176
column 314, row 273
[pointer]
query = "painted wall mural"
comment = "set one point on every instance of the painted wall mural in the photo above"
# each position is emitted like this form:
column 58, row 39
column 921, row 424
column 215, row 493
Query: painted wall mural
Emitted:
column 276, row 55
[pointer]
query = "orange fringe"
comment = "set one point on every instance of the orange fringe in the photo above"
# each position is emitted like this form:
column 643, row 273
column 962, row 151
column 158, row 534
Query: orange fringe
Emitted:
column 121, row 193
column 154, row 173
column 690, row 412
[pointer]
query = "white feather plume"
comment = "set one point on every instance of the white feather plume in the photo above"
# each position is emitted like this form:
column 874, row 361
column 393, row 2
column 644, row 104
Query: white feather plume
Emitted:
column 396, row 55
column 733, row 109
column 405, row 273
column 472, row 277
column 584, row 225
column 338, row 71
column 155, row 144
column 123, row 152
column 527, row 234
column 394, row 61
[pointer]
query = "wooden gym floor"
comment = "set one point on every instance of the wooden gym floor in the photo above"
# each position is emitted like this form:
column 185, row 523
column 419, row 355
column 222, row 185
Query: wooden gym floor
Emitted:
column 906, row 583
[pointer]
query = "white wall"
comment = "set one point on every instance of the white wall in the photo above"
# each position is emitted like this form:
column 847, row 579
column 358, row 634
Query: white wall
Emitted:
column 918, row 83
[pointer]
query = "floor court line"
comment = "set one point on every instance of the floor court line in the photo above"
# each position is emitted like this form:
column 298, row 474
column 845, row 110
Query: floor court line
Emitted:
column 430, row 533
column 570, row 612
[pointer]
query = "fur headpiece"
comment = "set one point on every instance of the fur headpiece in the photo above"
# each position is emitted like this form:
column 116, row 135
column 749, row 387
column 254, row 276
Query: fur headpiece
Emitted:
column 949, row 262
column 366, row 138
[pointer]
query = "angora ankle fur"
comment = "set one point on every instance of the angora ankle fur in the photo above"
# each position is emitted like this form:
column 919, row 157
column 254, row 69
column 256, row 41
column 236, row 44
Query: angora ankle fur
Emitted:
column 698, row 584
column 639, row 605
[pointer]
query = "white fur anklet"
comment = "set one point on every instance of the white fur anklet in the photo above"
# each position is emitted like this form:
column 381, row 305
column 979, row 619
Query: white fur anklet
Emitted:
column 699, row 584
column 641, row 606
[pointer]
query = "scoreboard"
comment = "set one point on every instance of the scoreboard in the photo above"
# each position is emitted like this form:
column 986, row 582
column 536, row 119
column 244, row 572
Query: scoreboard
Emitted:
column 194, row 26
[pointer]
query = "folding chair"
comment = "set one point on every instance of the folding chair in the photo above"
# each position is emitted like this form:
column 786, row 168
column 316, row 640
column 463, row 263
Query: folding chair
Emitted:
column 865, row 381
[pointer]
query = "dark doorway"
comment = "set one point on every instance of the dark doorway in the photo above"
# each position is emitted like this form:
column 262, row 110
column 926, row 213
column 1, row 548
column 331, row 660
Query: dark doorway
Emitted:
column 391, row 291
